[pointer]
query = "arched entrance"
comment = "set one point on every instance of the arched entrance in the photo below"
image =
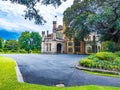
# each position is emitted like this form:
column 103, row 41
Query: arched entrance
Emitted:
column 59, row 48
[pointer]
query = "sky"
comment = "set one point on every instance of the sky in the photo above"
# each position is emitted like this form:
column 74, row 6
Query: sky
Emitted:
column 12, row 22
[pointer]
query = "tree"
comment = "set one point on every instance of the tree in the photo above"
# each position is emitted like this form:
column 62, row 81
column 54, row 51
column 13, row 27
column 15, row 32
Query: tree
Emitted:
column 24, row 41
column 30, row 41
column 94, row 15
column 11, row 45
column 35, row 41
column 1, row 43
column 31, row 12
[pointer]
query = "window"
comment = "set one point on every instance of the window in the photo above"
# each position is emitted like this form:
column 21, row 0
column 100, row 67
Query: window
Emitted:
column 47, row 46
column 70, row 43
column 59, row 35
column 70, row 50
column 50, row 46
column 77, row 43
column 77, row 49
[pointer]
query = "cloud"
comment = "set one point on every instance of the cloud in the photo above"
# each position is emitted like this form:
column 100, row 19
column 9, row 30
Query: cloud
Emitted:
column 11, row 18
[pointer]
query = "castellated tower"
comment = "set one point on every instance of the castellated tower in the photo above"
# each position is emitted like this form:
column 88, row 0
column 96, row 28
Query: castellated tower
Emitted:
column 54, row 29
column 43, row 35
column 54, row 26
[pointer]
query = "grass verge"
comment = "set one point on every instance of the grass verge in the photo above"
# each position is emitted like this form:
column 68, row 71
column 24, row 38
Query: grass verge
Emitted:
column 102, row 74
column 8, row 80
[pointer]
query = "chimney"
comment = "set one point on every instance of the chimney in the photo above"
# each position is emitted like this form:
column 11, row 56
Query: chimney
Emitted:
column 54, row 26
column 43, row 33
column 47, row 32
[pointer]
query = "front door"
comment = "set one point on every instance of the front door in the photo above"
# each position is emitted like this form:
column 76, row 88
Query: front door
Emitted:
column 59, row 48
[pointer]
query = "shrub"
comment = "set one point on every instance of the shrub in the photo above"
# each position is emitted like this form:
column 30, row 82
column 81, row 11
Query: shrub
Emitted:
column 5, row 50
column 117, row 54
column 86, row 62
column 1, row 50
column 109, row 46
column 109, row 56
column 102, row 60
column 22, row 51
column 13, row 50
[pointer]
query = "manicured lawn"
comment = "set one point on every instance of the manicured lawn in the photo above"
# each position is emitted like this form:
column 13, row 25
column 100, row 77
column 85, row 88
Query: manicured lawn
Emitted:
column 102, row 74
column 8, row 80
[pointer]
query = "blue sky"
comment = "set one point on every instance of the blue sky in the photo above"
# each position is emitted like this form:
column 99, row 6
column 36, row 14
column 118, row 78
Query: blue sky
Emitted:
column 12, row 22
column 7, row 35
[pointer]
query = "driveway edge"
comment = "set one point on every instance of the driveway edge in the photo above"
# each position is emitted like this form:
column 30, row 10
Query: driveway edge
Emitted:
column 97, row 70
column 18, row 74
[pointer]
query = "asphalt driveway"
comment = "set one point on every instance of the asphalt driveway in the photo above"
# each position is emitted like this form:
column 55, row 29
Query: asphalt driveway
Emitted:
column 57, row 69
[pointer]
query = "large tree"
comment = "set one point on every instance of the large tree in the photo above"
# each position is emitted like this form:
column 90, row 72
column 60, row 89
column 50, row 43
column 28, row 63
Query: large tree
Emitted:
column 24, row 41
column 35, row 41
column 30, row 41
column 31, row 12
column 86, row 16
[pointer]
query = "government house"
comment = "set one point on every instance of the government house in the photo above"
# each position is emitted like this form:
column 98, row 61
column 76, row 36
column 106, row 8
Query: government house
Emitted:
column 57, row 42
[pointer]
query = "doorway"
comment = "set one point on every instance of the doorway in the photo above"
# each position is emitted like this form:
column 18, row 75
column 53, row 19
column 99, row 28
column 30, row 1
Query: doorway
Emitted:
column 59, row 48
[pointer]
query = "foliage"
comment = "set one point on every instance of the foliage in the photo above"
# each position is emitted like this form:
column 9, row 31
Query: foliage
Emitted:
column 86, row 62
column 35, row 41
column 117, row 45
column 1, row 43
column 1, row 50
column 24, row 41
column 109, row 46
column 31, row 12
column 109, row 56
column 11, row 45
column 22, row 51
column 102, row 60
column 5, row 50
column 86, row 16
column 8, row 80
column 117, row 53
column 30, row 41
column 27, row 43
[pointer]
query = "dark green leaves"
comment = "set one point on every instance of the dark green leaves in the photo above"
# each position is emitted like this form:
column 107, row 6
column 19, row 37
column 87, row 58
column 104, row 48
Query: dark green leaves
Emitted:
column 87, row 16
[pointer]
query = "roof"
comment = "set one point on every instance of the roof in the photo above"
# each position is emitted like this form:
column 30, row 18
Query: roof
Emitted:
column 60, row 27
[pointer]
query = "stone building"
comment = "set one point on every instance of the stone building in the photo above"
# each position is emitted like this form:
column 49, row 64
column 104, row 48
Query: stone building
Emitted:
column 57, row 42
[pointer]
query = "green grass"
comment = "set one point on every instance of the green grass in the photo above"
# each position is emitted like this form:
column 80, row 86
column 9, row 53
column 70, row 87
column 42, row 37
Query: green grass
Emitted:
column 8, row 80
column 102, row 74
column 19, row 53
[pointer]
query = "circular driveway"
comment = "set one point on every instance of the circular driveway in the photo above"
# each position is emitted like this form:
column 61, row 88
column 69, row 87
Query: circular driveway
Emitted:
column 57, row 69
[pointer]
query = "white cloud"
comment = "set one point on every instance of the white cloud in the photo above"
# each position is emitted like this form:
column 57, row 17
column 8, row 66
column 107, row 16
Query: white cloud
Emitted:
column 11, row 16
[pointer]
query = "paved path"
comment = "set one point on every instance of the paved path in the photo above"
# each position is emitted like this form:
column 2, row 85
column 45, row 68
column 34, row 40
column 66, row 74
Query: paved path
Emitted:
column 58, row 69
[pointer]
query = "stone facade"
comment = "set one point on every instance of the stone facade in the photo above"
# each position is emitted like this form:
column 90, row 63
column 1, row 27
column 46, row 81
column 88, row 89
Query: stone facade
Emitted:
column 57, row 42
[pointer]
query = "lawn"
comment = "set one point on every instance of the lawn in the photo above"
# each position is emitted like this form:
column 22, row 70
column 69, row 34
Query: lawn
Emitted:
column 8, row 80
column 102, row 74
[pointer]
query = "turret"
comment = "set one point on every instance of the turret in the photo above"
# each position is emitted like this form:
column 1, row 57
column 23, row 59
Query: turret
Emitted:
column 43, row 35
column 54, row 26
column 47, row 33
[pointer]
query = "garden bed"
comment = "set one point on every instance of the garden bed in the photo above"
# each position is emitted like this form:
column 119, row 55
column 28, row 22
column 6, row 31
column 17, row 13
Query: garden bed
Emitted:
column 106, row 62
column 97, row 70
